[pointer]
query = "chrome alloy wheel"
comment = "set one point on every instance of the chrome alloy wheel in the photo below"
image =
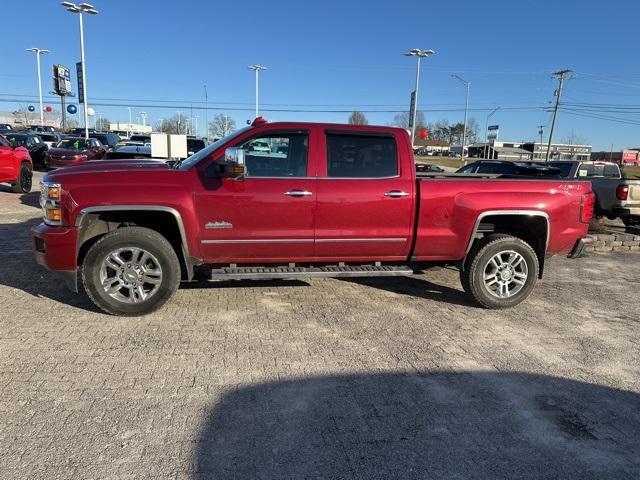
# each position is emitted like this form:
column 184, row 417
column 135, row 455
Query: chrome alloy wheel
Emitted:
column 130, row 275
column 505, row 274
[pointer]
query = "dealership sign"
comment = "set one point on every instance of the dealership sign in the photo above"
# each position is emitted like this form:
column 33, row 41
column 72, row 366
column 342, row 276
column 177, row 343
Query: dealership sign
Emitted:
column 492, row 132
column 61, row 80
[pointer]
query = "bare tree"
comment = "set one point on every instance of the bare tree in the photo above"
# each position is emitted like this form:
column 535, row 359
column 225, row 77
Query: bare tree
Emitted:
column 221, row 126
column 574, row 139
column 24, row 116
column 358, row 118
column 178, row 124
column 402, row 120
column 103, row 124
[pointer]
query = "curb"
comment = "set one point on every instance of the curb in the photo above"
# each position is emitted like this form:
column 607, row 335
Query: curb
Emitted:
column 614, row 242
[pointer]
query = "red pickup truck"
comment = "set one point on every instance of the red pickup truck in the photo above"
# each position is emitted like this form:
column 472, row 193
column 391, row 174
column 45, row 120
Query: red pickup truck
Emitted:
column 285, row 200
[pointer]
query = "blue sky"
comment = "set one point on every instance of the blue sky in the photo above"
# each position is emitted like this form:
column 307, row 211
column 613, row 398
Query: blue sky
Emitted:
column 343, row 55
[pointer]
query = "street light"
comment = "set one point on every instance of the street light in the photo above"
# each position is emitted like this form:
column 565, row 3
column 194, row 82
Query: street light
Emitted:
column 466, row 109
column 257, row 68
column 80, row 9
column 419, row 54
column 38, row 52
column 143, row 116
column 486, row 129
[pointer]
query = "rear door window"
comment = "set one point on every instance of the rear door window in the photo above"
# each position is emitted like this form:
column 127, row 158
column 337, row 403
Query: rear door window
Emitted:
column 361, row 156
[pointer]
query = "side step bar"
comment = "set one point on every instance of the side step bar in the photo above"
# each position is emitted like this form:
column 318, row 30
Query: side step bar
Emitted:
column 262, row 273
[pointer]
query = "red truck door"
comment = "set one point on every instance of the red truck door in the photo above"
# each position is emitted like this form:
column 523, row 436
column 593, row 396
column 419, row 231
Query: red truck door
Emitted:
column 270, row 214
column 365, row 203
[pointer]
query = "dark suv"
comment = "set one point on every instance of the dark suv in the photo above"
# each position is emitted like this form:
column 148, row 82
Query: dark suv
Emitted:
column 108, row 139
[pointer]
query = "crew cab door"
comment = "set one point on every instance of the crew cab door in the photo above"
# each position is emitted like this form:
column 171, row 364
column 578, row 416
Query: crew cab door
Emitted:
column 269, row 215
column 365, row 205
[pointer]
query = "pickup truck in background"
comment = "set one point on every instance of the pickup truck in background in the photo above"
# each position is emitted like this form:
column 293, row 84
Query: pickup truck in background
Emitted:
column 292, row 200
column 616, row 196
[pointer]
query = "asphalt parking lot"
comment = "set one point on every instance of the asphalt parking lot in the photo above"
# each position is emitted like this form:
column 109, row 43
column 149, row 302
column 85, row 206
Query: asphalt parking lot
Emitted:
column 378, row 378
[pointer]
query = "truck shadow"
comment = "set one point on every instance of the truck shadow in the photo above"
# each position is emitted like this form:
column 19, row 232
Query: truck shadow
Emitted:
column 20, row 271
column 417, row 287
column 436, row 425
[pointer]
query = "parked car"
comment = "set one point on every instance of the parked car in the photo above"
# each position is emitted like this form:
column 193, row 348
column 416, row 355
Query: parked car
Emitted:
column 16, row 167
column 41, row 128
column 74, row 150
column 32, row 142
column 79, row 132
column 505, row 167
column 108, row 139
column 195, row 145
column 138, row 137
column 131, row 152
column 51, row 139
column 353, row 208
column 6, row 128
column 428, row 167
column 616, row 197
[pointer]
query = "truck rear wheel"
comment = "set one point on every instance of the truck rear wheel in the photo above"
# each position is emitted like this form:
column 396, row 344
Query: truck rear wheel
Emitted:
column 131, row 271
column 500, row 271
column 24, row 181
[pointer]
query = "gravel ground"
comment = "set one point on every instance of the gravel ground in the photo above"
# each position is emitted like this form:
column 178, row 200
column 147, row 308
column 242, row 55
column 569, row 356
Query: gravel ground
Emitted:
column 377, row 378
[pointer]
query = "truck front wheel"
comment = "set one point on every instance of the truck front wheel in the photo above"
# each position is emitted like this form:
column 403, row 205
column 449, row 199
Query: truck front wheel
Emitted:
column 500, row 271
column 131, row 271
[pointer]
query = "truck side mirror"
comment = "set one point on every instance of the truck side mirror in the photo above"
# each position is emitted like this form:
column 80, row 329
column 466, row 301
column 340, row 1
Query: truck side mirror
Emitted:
column 233, row 165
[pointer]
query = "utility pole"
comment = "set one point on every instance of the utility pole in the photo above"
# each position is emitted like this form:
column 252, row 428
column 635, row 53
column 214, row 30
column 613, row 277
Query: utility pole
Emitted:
column 562, row 75
column 206, row 114
column 541, row 132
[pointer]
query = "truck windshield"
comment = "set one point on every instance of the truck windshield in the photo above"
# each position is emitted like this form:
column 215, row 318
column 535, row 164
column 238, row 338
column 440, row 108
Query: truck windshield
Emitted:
column 187, row 163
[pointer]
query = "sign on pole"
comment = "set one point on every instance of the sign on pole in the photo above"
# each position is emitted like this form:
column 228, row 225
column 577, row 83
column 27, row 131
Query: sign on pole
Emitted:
column 492, row 132
column 61, row 81
column 412, row 104
column 80, row 82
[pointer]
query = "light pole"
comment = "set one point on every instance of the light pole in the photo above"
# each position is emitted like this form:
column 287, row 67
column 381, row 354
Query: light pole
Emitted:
column 195, row 117
column 38, row 52
column 466, row 109
column 206, row 114
column 143, row 116
column 419, row 54
column 80, row 9
column 486, row 129
column 257, row 68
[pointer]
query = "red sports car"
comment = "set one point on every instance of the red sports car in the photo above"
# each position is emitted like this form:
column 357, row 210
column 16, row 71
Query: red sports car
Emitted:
column 16, row 167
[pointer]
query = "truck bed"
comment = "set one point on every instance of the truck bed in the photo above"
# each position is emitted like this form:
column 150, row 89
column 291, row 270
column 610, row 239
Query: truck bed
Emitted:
column 451, row 206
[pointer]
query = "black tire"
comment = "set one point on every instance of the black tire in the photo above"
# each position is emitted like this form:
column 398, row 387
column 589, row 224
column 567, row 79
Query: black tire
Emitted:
column 124, row 238
column 631, row 221
column 24, row 181
column 477, row 261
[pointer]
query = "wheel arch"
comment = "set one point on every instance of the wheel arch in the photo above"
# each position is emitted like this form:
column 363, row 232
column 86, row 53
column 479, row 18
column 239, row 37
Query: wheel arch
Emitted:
column 94, row 222
column 532, row 226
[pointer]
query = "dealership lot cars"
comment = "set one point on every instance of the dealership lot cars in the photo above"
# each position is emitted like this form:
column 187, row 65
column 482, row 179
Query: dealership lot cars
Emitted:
column 374, row 378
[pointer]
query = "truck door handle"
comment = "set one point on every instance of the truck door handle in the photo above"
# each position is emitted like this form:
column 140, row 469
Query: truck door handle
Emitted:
column 298, row 193
column 396, row 194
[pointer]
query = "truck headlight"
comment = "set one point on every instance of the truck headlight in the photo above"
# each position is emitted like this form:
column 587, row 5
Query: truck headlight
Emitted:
column 50, row 202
